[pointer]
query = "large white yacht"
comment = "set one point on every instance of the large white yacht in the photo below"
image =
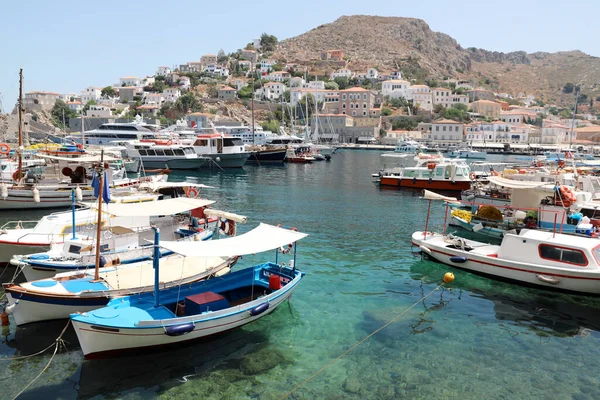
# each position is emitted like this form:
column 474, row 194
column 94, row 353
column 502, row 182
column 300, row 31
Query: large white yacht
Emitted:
column 409, row 146
column 111, row 132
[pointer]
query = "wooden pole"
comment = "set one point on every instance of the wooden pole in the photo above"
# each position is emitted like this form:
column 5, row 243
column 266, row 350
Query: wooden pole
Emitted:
column 427, row 220
column 445, row 218
column 100, row 172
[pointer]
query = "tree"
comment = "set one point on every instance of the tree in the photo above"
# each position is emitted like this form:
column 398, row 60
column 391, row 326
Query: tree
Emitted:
column 188, row 103
column 568, row 88
column 88, row 104
column 245, row 92
column 60, row 111
column 268, row 42
column 277, row 67
column 460, row 106
column 553, row 110
column 343, row 82
column 109, row 92
column 438, row 108
column 455, row 114
column 332, row 85
column 222, row 57
column 404, row 123
column 386, row 111
column 564, row 114
column 271, row 125
column 159, row 86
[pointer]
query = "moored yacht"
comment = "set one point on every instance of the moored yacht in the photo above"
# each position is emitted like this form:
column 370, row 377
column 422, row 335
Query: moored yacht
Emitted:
column 110, row 132
column 224, row 151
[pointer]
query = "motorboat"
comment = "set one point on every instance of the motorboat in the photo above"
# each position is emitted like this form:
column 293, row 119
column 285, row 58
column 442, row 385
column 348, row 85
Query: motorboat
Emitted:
column 467, row 153
column 224, row 151
column 299, row 155
column 184, row 313
column 430, row 173
column 409, row 147
column 156, row 153
column 111, row 131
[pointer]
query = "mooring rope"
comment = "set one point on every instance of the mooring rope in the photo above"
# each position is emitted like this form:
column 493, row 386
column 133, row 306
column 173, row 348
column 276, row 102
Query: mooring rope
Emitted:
column 57, row 343
column 396, row 318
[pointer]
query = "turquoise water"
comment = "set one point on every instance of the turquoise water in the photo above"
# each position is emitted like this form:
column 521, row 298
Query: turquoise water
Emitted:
column 476, row 339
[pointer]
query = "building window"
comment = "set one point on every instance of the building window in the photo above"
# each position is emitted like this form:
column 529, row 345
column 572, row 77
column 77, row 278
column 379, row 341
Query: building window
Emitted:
column 351, row 105
column 353, row 113
column 437, row 128
column 344, row 105
column 343, row 97
column 365, row 96
column 364, row 105
column 444, row 128
column 364, row 113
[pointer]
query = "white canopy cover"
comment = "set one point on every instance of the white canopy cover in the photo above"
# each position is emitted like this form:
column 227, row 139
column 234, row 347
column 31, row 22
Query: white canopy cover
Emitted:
column 83, row 159
column 262, row 238
column 429, row 195
column 154, row 186
column 514, row 184
column 150, row 208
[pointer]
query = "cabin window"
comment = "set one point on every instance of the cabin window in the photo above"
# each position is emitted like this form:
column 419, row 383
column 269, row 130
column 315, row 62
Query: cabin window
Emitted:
column 213, row 143
column 143, row 152
column 168, row 152
column 563, row 254
column 74, row 248
column 201, row 142
column 439, row 171
column 409, row 173
column 178, row 152
column 447, row 173
column 151, row 152
column 160, row 152
column 459, row 171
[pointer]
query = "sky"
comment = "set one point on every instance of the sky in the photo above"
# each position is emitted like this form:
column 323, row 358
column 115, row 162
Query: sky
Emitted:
column 64, row 46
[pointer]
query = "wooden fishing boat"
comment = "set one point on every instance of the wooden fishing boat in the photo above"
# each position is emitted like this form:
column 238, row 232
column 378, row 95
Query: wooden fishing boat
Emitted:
column 173, row 316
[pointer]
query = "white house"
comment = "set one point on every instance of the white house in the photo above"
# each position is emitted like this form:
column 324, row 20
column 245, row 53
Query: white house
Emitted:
column 163, row 71
column 185, row 82
column 98, row 111
column 76, row 106
column 446, row 131
column 556, row 133
column 90, row 93
column 244, row 64
column 372, row 73
column 297, row 81
column 267, row 64
column 130, row 81
column 171, row 94
column 421, row 97
column 396, row 88
column 273, row 90
column 315, row 85
column 322, row 96
column 342, row 73
column 154, row 99
column 276, row 76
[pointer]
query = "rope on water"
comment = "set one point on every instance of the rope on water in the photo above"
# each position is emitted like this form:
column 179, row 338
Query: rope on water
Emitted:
column 396, row 318
column 57, row 344
column 57, row 340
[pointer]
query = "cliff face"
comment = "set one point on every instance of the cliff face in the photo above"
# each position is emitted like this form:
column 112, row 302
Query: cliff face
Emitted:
column 408, row 43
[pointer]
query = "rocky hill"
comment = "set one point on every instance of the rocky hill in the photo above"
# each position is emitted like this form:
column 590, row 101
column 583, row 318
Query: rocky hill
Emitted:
column 408, row 43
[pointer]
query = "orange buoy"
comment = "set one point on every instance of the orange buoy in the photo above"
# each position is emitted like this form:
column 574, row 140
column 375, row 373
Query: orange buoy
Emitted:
column 274, row 282
column 4, row 318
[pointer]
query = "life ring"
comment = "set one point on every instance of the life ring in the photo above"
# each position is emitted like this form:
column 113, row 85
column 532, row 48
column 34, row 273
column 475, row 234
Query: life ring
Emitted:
column 4, row 148
column 79, row 146
column 17, row 175
column 494, row 173
column 472, row 176
column 191, row 192
column 284, row 250
column 228, row 226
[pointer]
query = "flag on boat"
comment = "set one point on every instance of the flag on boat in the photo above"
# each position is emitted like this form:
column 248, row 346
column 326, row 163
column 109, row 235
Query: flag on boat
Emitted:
column 105, row 188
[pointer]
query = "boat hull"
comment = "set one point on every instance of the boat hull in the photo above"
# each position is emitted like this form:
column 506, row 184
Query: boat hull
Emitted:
column 445, row 185
column 521, row 273
column 9, row 249
column 266, row 156
column 104, row 341
column 187, row 164
column 226, row 160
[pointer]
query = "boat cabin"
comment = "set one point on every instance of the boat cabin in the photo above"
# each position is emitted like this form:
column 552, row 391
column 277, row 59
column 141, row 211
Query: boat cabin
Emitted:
column 216, row 143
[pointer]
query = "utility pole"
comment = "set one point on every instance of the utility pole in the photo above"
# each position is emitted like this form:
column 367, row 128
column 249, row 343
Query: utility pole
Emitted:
column 20, row 149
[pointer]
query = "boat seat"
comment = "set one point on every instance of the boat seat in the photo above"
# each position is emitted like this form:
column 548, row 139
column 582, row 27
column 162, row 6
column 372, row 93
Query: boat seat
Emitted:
column 202, row 302
column 486, row 250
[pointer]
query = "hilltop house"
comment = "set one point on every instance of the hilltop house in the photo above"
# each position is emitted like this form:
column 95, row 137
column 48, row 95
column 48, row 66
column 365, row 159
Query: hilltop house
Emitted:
column 130, row 81
column 487, row 108
column 226, row 93
column 90, row 93
column 40, row 101
column 397, row 88
column 163, row 71
column 445, row 131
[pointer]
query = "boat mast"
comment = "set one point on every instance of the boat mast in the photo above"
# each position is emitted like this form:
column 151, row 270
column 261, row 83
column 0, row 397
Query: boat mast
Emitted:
column 252, row 102
column 100, row 174
column 20, row 149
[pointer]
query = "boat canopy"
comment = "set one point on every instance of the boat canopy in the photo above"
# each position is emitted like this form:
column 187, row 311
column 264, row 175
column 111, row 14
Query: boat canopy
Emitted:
column 149, row 208
column 262, row 238
column 514, row 184
column 83, row 159
column 429, row 195
column 155, row 186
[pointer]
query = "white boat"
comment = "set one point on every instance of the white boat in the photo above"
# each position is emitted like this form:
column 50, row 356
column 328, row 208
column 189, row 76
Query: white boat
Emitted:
column 409, row 147
column 544, row 259
column 110, row 132
column 224, row 151
column 467, row 153
column 155, row 153
column 182, row 314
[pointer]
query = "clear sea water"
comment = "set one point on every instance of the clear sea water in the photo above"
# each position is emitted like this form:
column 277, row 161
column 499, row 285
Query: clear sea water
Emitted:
column 475, row 339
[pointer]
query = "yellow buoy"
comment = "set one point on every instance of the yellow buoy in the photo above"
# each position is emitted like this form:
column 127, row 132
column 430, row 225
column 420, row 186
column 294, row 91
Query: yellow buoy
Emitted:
column 448, row 277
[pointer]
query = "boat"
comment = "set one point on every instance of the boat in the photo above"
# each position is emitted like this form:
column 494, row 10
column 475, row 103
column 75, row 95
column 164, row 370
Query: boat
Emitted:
column 170, row 317
column 409, row 147
column 298, row 156
column 185, row 219
column 543, row 259
column 431, row 174
column 224, row 151
column 82, row 290
column 265, row 155
column 467, row 153
column 110, row 132
column 155, row 153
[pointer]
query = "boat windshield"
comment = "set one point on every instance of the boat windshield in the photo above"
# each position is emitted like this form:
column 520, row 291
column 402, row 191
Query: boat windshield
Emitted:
column 228, row 142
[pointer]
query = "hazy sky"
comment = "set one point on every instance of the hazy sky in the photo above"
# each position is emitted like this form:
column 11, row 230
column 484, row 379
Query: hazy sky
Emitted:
column 66, row 45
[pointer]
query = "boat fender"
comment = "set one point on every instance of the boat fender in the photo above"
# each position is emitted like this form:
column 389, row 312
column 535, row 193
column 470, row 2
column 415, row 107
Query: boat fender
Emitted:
column 414, row 180
column 458, row 259
column 4, row 190
column 430, row 180
column 11, row 308
column 78, row 194
column 178, row 330
column 425, row 249
column 547, row 279
column 36, row 195
column 259, row 309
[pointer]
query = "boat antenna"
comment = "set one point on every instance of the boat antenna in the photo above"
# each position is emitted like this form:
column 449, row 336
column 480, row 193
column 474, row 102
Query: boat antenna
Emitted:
column 100, row 175
column 20, row 148
column 573, row 118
